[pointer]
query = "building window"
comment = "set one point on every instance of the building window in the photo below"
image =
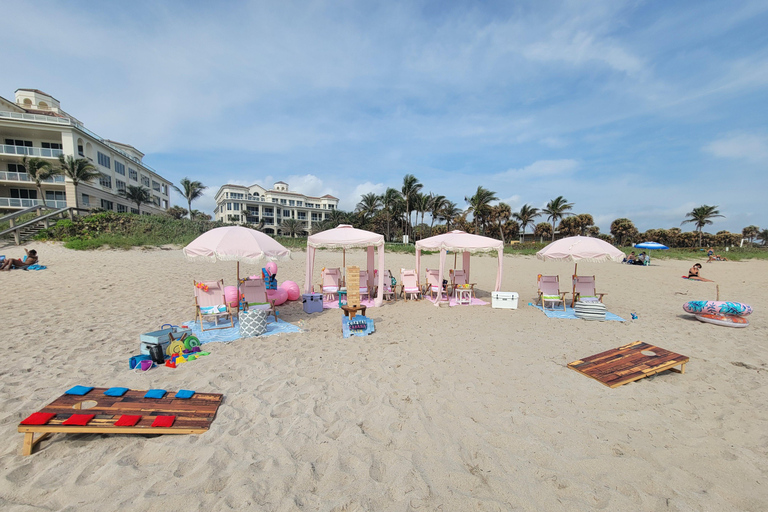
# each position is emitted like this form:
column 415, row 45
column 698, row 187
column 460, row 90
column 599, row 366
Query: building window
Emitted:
column 16, row 168
column 286, row 213
column 283, row 201
column 55, row 195
column 236, row 206
column 23, row 193
column 85, row 200
column 105, row 181
column 119, row 168
column 165, row 189
column 104, row 160
column 274, row 200
column 299, row 203
column 268, row 212
column 50, row 145
column 155, row 186
column 135, row 210
column 310, row 205
column 330, row 207
column 314, row 216
column 156, row 200
column 165, row 204
column 17, row 142
column 121, row 208
column 106, row 205
column 145, row 181
column 80, row 150
column 301, row 215
column 229, row 206
column 291, row 203
column 133, row 174
column 120, row 185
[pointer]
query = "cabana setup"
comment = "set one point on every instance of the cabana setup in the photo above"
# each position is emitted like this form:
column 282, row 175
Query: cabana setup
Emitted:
column 346, row 237
column 465, row 243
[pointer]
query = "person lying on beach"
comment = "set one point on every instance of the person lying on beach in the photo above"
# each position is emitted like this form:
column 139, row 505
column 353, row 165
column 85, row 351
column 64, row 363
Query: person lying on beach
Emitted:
column 630, row 259
column 31, row 259
column 694, row 270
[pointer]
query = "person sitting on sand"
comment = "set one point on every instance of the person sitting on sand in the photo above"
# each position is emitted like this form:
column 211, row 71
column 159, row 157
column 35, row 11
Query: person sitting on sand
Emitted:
column 630, row 259
column 14, row 263
column 641, row 259
column 694, row 271
column 710, row 255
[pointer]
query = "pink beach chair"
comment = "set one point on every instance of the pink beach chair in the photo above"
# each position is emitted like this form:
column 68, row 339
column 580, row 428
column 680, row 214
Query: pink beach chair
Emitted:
column 549, row 291
column 254, row 291
column 210, row 303
column 364, row 285
column 434, row 287
column 459, row 277
column 409, row 284
column 331, row 283
column 388, row 293
column 584, row 290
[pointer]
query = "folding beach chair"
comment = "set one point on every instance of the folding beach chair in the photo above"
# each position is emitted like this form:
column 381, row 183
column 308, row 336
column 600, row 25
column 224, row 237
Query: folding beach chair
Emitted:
column 434, row 287
column 409, row 284
column 364, row 284
column 584, row 290
column 210, row 302
column 254, row 291
column 549, row 291
column 388, row 293
column 459, row 277
column 331, row 283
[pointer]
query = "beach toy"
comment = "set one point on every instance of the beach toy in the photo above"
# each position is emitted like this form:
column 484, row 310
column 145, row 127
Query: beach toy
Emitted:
column 191, row 342
column 231, row 295
column 715, row 307
column 271, row 268
column 170, row 363
column 292, row 288
column 279, row 295
column 724, row 320
column 175, row 347
column 202, row 286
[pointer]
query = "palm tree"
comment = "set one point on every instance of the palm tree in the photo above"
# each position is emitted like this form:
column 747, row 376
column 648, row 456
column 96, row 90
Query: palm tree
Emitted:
column 502, row 212
column 191, row 190
column 750, row 232
column 389, row 200
column 292, row 226
column 138, row 195
column 763, row 236
column 39, row 170
column 623, row 230
column 542, row 229
column 423, row 204
column 411, row 187
column 78, row 170
column 369, row 204
column 555, row 210
column 438, row 203
column 525, row 216
column 449, row 212
column 700, row 216
column 479, row 204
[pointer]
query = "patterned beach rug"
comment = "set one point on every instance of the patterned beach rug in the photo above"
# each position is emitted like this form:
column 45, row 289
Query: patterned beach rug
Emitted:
column 571, row 314
column 233, row 333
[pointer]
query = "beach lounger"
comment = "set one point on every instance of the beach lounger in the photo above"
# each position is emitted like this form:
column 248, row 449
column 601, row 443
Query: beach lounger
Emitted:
column 409, row 284
column 364, row 284
column 210, row 303
column 254, row 291
column 459, row 277
column 331, row 284
column 549, row 291
column 389, row 285
column 434, row 287
column 121, row 411
column 584, row 290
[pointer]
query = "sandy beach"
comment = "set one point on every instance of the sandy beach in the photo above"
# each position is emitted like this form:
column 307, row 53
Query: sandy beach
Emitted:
column 452, row 409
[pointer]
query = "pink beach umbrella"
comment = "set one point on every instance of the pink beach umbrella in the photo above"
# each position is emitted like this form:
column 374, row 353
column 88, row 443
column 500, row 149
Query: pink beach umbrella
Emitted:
column 236, row 243
column 580, row 248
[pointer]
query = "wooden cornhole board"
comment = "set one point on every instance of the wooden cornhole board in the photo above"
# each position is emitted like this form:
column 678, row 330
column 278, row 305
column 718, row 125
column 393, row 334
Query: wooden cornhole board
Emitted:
column 627, row 363
column 193, row 415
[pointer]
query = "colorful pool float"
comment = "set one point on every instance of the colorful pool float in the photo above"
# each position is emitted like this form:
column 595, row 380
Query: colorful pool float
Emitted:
column 715, row 307
column 724, row 320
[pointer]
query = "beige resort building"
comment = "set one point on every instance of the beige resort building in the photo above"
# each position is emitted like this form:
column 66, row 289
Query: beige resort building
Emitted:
column 240, row 205
column 34, row 125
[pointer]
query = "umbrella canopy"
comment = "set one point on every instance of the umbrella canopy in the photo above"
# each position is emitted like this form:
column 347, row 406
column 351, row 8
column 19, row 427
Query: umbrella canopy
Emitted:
column 346, row 237
column 580, row 248
column 236, row 243
column 651, row 245
column 466, row 243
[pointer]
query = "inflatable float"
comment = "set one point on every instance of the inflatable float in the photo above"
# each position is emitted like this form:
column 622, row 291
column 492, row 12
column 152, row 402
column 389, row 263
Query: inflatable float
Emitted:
column 724, row 320
column 716, row 307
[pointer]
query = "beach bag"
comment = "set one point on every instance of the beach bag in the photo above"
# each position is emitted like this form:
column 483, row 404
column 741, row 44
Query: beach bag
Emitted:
column 253, row 323
column 590, row 310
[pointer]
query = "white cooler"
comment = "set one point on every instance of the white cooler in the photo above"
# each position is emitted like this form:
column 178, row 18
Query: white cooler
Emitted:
column 504, row 300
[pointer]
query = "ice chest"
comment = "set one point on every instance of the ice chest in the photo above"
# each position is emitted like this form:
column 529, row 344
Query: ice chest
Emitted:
column 313, row 302
column 162, row 337
column 504, row 300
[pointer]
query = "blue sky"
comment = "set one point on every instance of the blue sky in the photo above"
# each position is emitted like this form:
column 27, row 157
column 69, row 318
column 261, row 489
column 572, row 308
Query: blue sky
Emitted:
column 632, row 109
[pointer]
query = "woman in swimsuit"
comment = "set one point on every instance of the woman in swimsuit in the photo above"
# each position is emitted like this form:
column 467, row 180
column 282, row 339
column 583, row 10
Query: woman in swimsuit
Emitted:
column 694, row 271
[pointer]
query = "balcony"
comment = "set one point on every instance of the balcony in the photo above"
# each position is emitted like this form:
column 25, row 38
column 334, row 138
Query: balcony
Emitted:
column 5, row 149
column 22, row 176
column 36, row 118
column 9, row 202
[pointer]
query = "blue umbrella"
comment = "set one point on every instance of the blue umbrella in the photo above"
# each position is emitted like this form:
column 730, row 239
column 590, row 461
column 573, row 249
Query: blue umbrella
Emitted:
column 650, row 245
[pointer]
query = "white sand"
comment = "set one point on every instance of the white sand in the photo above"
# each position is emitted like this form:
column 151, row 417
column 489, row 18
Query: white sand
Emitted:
column 453, row 409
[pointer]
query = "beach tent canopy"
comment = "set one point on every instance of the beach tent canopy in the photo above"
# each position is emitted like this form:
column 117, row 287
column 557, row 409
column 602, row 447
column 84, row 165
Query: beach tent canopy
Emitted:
column 236, row 243
column 345, row 237
column 580, row 248
column 651, row 245
column 465, row 243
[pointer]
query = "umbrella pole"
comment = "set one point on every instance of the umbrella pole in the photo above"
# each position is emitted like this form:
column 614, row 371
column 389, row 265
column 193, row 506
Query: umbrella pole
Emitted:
column 575, row 269
column 238, row 273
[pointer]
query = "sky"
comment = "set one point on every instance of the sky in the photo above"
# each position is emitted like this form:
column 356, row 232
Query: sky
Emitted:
column 634, row 109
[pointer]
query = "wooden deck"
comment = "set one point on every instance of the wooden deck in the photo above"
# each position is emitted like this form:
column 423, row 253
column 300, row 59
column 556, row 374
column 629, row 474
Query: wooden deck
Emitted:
column 627, row 363
column 193, row 415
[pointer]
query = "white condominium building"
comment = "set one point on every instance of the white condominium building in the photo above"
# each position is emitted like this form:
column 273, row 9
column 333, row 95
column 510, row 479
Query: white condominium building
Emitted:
column 240, row 205
column 35, row 126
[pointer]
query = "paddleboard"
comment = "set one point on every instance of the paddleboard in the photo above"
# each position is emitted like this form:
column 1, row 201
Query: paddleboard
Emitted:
column 724, row 320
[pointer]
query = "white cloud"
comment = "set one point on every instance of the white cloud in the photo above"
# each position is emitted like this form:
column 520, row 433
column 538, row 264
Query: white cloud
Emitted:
column 744, row 146
column 543, row 169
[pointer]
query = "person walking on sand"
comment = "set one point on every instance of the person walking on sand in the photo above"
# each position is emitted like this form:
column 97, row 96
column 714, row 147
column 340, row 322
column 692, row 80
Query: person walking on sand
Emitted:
column 31, row 259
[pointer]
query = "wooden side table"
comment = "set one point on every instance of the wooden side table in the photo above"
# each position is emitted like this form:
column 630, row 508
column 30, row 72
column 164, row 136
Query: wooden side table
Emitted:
column 351, row 311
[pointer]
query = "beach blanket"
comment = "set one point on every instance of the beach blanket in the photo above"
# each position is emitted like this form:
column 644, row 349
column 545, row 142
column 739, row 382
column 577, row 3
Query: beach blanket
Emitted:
column 334, row 304
column 36, row 267
column 570, row 314
column 233, row 333
column 698, row 279
column 475, row 302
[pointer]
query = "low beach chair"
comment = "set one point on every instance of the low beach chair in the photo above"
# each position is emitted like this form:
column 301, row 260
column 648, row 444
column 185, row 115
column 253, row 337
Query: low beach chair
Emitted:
column 459, row 277
column 390, row 284
column 210, row 302
column 584, row 290
column 331, row 283
column 549, row 291
column 409, row 284
column 434, row 287
column 364, row 285
column 254, row 291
